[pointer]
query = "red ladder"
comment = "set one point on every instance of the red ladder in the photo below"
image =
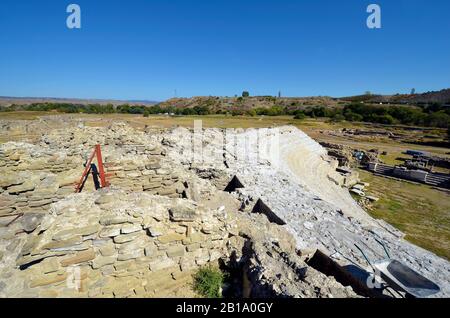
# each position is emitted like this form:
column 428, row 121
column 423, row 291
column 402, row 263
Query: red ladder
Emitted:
column 101, row 171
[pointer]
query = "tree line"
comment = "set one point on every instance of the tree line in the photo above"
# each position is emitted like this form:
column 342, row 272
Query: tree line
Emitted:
column 433, row 115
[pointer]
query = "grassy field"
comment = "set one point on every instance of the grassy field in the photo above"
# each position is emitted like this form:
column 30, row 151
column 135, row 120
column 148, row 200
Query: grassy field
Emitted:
column 421, row 212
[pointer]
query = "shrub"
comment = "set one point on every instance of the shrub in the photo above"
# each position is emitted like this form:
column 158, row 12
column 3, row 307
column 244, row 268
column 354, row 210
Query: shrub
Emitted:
column 251, row 112
column 275, row 111
column 350, row 116
column 337, row 118
column 208, row 282
column 300, row 116
column 237, row 112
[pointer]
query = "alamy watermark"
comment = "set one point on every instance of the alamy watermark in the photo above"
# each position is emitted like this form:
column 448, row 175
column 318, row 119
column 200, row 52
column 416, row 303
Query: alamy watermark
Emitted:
column 209, row 146
column 73, row 280
column 374, row 19
column 74, row 19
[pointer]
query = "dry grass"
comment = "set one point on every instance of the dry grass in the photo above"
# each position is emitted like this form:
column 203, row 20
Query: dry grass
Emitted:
column 23, row 115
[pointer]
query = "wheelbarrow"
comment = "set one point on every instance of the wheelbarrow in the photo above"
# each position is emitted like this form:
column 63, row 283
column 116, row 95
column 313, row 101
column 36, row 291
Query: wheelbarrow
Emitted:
column 401, row 277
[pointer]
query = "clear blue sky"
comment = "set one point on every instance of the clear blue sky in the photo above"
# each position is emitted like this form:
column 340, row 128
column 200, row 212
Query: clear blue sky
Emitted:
column 145, row 49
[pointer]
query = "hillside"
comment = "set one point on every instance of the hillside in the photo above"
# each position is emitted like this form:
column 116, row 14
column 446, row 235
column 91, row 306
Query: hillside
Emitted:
column 8, row 101
column 292, row 103
column 244, row 104
column 441, row 97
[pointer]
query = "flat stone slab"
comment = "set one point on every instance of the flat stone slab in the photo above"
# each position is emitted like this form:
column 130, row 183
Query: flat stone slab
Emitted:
column 83, row 231
column 78, row 258
column 182, row 214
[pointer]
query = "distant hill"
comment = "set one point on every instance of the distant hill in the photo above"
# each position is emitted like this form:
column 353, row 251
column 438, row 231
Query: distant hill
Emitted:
column 441, row 97
column 244, row 104
column 8, row 101
column 227, row 104
column 292, row 103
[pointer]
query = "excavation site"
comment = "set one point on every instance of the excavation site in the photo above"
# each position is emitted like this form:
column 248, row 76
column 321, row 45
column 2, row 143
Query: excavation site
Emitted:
column 122, row 211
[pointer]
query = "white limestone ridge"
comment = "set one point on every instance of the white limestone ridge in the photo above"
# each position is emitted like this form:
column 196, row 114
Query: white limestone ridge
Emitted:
column 295, row 185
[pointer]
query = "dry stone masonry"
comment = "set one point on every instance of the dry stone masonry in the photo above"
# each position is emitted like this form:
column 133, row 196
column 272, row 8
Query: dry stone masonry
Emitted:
column 167, row 214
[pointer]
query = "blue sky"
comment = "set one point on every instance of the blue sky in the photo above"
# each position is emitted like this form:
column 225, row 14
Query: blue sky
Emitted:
column 145, row 49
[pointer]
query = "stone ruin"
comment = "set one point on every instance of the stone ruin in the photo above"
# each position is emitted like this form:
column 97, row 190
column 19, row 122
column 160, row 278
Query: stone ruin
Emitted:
column 166, row 215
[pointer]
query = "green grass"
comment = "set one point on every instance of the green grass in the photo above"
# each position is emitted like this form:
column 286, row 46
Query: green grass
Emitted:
column 208, row 282
column 419, row 211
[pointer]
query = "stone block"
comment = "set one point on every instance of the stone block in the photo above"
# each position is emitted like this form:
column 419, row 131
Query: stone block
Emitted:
column 110, row 231
column 35, row 204
column 125, row 265
column 151, row 250
column 196, row 237
column 187, row 263
column 101, row 261
column 48, row 279
column 182, row 214
column 78, row 258
column 105, row 198
column 161, row 263
column 75, row 240
column 83, row 231
column 193, row 247
column 176, row 251
column 151, row 186
column 123, row 238
column 112, row 219
column 30, row 221
column 162, row 172
column 170, row 237
column 130, row 228
column 49, row 265
column 138, row 243
column 167, row 191
column 131, row 255
column 108, row 249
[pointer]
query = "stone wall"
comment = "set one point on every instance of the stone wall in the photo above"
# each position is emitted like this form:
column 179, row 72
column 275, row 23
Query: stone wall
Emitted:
column 34, row 176
column 120, row 245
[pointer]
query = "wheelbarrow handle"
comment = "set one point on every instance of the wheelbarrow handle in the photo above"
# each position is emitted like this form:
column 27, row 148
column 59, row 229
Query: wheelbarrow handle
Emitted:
column 384, row 247
column 366, row 258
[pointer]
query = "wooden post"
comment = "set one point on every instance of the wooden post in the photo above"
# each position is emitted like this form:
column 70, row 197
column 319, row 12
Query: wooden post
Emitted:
column 85, row 172
column 96, row 153
column 101, row 170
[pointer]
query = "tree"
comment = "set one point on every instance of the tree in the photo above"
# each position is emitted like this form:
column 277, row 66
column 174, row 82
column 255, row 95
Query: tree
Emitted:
column 245, row 94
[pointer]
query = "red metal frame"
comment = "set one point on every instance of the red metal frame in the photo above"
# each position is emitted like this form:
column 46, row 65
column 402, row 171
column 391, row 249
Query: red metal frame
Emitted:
column 103, row 182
